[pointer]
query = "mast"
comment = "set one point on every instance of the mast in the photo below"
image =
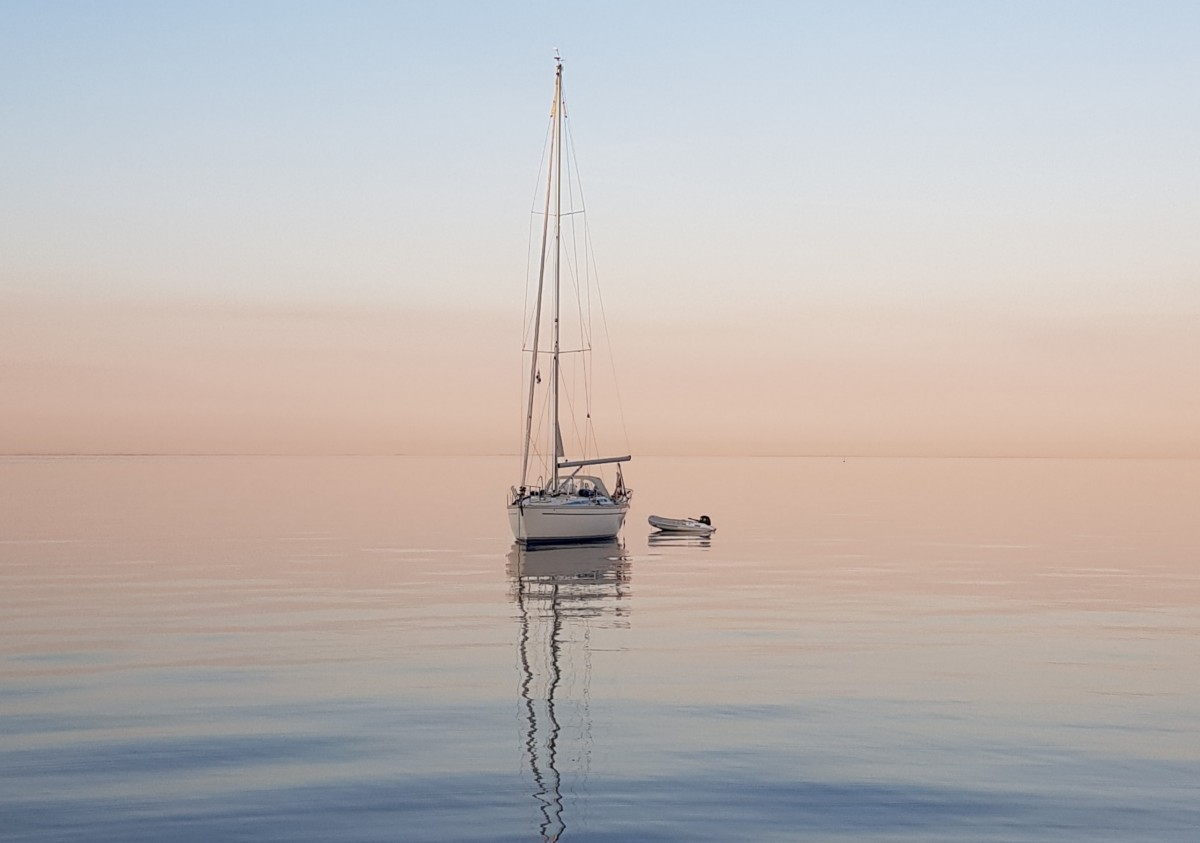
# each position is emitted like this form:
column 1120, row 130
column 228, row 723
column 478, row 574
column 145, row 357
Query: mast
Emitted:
column 537, row 314
column 558, row 117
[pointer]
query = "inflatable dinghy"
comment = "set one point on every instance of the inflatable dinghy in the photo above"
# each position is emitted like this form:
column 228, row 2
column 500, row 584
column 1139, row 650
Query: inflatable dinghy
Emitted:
column 701, row 526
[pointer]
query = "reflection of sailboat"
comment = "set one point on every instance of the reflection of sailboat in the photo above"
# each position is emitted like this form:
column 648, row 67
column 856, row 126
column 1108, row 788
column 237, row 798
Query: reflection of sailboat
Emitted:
column 563, row 505
column 562, row 593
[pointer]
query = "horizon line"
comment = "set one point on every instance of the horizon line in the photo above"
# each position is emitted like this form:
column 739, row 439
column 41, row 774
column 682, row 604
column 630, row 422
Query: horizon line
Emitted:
column 842, row 456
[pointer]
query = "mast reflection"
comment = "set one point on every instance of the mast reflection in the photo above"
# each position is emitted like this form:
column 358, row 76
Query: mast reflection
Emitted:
column 562, row 594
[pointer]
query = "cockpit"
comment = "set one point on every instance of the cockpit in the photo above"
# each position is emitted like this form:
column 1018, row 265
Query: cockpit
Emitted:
column 583, row 486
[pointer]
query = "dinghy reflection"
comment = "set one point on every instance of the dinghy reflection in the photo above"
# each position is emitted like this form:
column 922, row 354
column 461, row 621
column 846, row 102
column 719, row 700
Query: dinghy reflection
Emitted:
column 563, row 595
column 665, row 539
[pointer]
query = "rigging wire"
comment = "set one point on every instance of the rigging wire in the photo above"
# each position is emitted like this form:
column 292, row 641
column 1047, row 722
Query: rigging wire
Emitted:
column 590, row 259
column 581, row 277
column 527, row 315
column 578, row 257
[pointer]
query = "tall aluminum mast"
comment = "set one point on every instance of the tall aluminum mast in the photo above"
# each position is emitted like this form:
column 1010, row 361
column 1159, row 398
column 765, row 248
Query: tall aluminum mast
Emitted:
column 558, row 117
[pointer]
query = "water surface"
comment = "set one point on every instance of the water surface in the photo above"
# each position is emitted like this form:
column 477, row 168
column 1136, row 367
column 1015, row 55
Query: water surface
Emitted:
column 350, row 648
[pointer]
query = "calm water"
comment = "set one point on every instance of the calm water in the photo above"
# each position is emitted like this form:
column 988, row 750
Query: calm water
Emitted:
column 217, row 649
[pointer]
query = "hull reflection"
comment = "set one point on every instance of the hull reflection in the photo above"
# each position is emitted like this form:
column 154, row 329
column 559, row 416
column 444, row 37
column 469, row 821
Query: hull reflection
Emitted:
column 562, row 594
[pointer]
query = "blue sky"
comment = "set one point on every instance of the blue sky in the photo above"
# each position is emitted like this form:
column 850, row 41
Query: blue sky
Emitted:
column 254, row 129
column 742, row 161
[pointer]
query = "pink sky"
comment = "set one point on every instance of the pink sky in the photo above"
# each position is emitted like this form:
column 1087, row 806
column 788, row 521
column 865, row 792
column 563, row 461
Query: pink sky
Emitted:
column 140, row 377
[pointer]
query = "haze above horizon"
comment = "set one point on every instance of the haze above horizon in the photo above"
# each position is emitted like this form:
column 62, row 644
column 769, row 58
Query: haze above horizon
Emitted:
column 869, row 229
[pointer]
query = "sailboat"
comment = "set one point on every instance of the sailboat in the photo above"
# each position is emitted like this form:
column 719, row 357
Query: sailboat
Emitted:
column 562, row 505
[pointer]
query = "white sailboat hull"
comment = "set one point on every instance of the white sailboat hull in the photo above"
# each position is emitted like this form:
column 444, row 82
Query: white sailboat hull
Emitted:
column 535, row 521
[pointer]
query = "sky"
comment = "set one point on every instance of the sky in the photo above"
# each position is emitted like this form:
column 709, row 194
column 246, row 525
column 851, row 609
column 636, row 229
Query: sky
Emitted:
column 895, row 228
